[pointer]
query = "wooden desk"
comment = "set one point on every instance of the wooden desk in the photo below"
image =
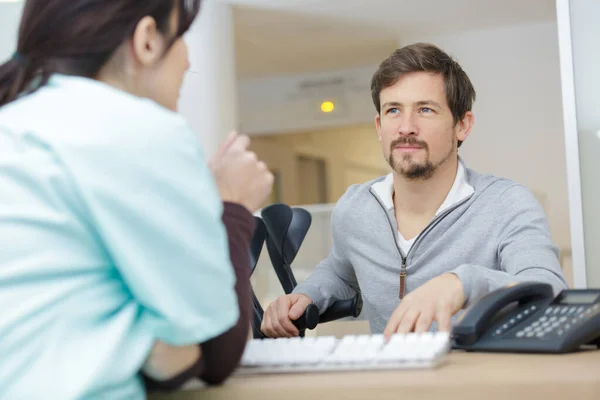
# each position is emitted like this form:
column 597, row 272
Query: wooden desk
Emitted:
column 462, row 376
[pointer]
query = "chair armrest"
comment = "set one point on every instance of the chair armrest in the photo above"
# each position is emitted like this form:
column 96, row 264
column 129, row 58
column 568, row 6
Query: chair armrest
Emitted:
column 342, row 309
column 338, row 310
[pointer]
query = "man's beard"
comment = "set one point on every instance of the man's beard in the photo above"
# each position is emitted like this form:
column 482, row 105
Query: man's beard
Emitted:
column 414, row 170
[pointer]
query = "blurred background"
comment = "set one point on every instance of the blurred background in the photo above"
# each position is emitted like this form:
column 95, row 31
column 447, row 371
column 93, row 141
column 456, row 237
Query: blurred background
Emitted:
column 295, row 75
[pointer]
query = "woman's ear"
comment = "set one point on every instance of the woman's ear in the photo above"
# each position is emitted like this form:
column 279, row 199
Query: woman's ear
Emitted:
column 148, row 42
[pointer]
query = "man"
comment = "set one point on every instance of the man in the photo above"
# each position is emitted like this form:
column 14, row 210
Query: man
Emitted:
column 433, row 236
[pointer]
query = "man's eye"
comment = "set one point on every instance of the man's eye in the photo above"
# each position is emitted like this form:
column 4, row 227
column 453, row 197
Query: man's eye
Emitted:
column 393, row 111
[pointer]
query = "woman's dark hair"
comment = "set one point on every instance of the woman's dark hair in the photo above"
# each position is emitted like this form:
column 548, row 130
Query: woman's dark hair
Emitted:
column 78, row 37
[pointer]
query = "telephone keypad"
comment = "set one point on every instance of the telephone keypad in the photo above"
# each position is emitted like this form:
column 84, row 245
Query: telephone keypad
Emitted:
column 556, row 319
column 515, row 320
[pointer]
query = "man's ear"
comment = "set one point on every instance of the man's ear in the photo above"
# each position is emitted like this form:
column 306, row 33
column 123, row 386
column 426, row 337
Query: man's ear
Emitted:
column 378, row 125
column 463, row 127
column 148, row 42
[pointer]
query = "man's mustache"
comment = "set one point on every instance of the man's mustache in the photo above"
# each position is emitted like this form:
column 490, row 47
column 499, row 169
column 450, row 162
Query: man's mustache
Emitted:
column 408, row 141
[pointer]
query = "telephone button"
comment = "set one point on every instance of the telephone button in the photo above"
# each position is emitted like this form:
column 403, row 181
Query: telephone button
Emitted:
column 552, row 319
column 543, row 319
column 548, row 310
column 520, row 334
column 563, row 319
column 530, row 334
column 564, row 310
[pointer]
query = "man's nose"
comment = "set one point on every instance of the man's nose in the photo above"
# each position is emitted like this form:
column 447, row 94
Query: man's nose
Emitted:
column 407, row 125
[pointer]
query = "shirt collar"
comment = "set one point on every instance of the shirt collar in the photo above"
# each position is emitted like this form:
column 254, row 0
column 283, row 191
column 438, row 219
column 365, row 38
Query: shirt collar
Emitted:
column 460, row 190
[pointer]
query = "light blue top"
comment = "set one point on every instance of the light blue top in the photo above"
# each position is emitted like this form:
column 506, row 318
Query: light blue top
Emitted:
column 111, row 238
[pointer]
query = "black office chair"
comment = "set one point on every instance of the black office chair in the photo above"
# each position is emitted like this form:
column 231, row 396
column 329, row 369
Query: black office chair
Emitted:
column 283, row 229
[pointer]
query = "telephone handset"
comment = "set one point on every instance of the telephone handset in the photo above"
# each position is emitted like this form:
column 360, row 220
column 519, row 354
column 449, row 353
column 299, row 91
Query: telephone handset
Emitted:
column 526, row 317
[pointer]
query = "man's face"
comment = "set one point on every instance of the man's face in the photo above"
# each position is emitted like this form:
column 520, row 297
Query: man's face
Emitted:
column 416, row 127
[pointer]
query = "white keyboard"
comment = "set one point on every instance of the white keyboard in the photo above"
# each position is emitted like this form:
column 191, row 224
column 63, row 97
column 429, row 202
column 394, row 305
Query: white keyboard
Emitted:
column 327, row 353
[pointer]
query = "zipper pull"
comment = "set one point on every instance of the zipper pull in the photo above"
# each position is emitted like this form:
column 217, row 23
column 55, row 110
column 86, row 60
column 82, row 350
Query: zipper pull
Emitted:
column 402, row 279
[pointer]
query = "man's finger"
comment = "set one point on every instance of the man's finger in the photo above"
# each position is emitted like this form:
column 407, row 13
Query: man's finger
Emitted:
column 444, row 320
column 265, row 326
column 299, row 307
column 284, row 320
column 270, row 326
column 394, row 321
column 424, row 321
column 276, row 324
column 408, row 322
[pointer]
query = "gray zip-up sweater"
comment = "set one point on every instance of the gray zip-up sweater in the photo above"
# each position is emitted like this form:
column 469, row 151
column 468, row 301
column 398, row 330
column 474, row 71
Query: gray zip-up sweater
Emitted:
column 497, row 235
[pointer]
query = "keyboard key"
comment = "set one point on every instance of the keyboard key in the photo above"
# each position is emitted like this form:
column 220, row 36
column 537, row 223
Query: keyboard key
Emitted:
column 351, row 352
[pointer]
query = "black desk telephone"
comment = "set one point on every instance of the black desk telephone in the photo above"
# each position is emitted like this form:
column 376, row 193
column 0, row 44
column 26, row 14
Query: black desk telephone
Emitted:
column 527, row 318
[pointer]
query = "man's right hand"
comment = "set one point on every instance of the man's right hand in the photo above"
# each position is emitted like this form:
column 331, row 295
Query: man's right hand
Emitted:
column 278, row 317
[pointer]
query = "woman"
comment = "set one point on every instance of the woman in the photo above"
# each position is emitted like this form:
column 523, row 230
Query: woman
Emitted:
column 125, row 254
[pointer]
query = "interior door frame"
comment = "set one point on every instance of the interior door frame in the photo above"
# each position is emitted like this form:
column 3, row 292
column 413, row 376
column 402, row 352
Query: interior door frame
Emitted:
column 563, row 19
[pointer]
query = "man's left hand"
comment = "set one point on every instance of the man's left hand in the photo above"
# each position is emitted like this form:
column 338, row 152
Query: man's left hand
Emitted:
column 437, row 300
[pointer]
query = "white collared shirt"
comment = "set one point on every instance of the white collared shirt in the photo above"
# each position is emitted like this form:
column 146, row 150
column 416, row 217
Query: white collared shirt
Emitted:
column 459, row 191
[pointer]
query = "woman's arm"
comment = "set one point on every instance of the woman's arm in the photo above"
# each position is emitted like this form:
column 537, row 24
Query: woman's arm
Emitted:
column 222, row 354
column 170, row 367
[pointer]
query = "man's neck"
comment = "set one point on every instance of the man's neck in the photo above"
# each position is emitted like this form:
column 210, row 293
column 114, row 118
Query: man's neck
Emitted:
column 422, row 198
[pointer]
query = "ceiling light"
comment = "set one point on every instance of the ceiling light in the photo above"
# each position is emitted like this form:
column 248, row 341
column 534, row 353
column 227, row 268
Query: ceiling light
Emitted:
column 327, row 106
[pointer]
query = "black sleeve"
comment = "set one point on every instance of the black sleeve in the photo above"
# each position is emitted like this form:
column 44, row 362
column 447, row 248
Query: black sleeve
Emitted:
column 222, row 354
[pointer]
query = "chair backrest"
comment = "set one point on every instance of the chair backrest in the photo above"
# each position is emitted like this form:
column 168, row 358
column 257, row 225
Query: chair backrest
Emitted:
column 258, row 240
column 284, row 229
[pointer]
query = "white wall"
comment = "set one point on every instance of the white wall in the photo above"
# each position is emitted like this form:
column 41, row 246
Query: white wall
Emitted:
column 293, row 103
column 518, row 130
column 585, row 31
column 10, row 17
column 209, row 93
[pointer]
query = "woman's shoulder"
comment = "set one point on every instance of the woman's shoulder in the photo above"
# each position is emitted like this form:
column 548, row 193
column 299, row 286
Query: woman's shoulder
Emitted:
column 74, row 111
